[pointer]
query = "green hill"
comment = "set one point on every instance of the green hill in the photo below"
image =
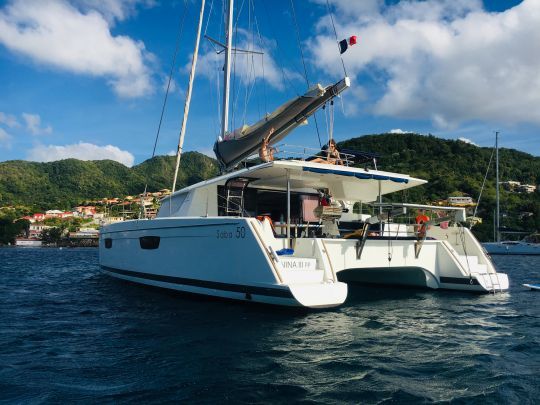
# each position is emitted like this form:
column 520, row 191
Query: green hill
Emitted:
column 65, row 183
column 450, row 167
column 453, row 167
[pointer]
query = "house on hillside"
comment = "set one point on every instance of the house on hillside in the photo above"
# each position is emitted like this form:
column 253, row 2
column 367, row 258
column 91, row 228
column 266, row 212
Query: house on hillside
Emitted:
column 38, row 217
column 29, row 218
column 510, row 185
column 53, row 213
column 86, row 210
column 526, row 188
column 34, row 232
column 461, row 201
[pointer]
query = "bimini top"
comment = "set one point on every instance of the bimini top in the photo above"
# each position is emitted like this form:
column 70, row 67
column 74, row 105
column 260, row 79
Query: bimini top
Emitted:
column 344, row 183
column 245, row 141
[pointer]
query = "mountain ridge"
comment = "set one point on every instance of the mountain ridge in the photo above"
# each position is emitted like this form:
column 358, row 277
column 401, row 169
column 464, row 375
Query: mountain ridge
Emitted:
column 450, row 166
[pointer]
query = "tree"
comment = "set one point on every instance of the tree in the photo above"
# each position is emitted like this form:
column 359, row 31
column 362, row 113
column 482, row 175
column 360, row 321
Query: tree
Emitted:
column 51, row 236
column 10, row 229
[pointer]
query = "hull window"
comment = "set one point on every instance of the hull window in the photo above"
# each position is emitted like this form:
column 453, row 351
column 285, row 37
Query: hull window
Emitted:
column 108, row 243
column 149, row 242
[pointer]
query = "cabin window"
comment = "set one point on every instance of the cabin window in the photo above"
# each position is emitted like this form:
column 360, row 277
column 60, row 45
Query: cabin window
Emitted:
column 149, row 242
column 108, row 243
column 177, row 202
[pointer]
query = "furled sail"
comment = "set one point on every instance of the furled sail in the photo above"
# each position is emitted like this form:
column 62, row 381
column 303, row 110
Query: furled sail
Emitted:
column 246, row 140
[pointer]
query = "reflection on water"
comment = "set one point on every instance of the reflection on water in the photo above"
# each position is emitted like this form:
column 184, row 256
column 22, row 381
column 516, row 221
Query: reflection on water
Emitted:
column 69, row 332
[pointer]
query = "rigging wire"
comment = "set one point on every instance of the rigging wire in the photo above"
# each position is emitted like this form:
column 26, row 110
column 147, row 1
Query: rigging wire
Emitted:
column 297, row 29
column 298, row 42
column 335, row 35
column 280, row 50
column 209, row 17
column 177, row 47
column 262, row 61
column 331, row 113
column 483, row 184
column 249, row 67
column 252, row 77
column 235, row 46
column 173, row 64
column 211, row 9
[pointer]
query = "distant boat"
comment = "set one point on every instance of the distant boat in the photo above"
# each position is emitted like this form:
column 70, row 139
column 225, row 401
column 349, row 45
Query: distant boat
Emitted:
column 532, row 286
column 530, row 245
column 25, row 242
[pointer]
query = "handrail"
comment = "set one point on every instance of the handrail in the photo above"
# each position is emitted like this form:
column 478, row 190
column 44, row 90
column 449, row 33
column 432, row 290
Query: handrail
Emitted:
column 334, row 275
column 287, row 151
column 266, row 250
column 458, row 261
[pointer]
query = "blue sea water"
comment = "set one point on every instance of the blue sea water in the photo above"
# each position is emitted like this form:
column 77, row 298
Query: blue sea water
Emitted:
column 71, row 334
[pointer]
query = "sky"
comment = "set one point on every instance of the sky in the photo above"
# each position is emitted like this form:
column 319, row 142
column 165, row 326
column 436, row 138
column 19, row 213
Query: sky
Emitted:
column 87, row 78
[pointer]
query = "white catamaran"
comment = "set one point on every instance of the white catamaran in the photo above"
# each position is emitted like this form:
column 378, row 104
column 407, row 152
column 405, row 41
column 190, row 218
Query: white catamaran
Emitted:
column 285, row 231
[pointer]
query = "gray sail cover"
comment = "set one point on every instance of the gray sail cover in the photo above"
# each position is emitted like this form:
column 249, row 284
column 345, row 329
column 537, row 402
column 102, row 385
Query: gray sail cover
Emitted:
column 246, row 140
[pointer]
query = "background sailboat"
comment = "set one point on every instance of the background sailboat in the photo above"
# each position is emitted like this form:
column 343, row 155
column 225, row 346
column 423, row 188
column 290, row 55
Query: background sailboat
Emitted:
column 530, row 245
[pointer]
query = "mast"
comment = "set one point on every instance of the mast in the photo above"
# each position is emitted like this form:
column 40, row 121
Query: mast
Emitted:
column 188, row 97
column 497, row 214
column 227, row 71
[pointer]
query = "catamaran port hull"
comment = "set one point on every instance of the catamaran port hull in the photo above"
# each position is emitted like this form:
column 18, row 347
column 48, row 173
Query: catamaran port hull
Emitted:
column 222, row 257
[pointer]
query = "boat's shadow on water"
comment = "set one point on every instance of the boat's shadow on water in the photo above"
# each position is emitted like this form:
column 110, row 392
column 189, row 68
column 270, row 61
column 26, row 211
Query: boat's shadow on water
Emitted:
column 359, row 294
column 171, row 299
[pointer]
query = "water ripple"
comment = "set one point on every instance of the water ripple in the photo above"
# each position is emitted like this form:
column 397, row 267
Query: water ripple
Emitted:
column 70, row 333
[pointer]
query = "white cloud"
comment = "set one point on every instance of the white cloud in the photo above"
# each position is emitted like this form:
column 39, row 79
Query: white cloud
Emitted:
column 467, row 140
column 5, row 139
column 449, row 61
column 58, row 34
column 114, row 9
column 82, row 151
column 399, row 131
column 8, row 120
column 33, row 124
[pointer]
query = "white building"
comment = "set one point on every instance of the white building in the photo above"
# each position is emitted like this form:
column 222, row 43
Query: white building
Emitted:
column 526, row 188
column 460, row 200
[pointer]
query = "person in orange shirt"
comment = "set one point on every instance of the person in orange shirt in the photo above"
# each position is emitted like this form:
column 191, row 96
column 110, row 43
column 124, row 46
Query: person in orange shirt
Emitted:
column 421, row 221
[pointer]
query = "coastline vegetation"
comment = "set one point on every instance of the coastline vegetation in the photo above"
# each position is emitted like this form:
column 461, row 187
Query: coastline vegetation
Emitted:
column 451, row 167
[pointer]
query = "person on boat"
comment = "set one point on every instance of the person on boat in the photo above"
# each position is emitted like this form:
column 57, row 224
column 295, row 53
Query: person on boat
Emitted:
column 266, row 152
column 325, row 199
column 332, row 155
column 421, row 221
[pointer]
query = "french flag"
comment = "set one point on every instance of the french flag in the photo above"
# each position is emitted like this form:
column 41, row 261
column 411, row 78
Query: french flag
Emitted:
column 345, row 43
